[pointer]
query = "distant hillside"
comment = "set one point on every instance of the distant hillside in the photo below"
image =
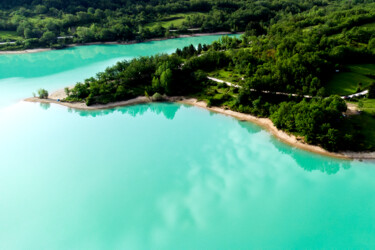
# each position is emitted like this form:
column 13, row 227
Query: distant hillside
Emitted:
column 54, row 23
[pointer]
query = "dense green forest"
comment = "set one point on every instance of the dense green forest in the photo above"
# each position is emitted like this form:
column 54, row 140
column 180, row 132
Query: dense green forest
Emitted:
column 298, row 53
column 55, row 23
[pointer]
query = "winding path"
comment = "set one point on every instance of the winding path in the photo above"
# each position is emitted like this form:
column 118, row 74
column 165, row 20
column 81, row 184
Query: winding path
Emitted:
column 363, row 93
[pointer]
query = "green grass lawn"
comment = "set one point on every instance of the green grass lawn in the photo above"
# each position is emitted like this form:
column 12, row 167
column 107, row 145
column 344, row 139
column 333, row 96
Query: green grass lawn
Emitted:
column 218, row 91
column 226, row 75
column 364, row 124
column 176, row 20
column 368, row 105
column 9, row 35
column 345, row 83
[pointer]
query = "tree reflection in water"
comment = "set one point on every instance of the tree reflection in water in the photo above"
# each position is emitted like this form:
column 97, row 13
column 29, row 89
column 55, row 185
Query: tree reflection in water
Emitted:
column 169, row 110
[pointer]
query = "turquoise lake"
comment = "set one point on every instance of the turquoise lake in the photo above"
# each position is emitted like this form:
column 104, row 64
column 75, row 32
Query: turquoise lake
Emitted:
column 161, row 176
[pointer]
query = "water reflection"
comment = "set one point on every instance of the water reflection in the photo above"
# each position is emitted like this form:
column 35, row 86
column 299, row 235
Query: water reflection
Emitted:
column 168, row 110
column 304, row 159
column 251, row 128
column 45, row 106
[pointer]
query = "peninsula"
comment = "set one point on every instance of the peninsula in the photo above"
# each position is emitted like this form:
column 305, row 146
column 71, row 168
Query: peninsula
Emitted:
column 308, row 67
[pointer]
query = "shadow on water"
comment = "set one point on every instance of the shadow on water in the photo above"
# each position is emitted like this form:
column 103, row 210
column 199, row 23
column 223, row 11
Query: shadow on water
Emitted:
column 168, row 110
column 308, row 161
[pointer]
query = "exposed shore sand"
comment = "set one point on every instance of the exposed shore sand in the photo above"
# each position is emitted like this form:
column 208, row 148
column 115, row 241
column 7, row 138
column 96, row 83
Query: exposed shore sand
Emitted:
column 109, row 43
column 263, row 122
column 27, row 51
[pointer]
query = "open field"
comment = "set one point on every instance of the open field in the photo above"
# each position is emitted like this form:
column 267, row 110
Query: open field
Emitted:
column 345, row 83
column 364, row 124
column 226, row 75
column 9, row 35
column 176, row 20
column 366, row 105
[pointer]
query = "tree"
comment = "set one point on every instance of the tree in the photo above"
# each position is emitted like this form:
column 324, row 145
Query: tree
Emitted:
column 156, row 84
column 40, row 9
column 371, row 44
column 166, row 81
column 85, row 34
column 28, row 33
column 157, row 97
column 199, row 48
column 48, row 37
column 42, row 93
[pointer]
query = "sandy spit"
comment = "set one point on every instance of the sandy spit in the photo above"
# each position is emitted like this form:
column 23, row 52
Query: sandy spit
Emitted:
column 109, row 43
column 27, row 51
column 266, row 123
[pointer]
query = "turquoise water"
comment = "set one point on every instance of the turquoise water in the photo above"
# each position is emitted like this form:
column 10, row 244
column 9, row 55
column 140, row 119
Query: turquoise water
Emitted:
column 23, row 74
column 169, row 176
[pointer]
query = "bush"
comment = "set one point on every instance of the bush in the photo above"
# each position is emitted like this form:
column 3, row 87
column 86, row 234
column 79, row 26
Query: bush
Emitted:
column 90, row 100
column 209, row 104
column 42, row 93
column 157, row 97
column 222, row 85
column 218, row 99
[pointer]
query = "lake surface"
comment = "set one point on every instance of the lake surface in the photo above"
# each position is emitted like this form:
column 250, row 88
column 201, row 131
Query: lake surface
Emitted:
column 161, row 176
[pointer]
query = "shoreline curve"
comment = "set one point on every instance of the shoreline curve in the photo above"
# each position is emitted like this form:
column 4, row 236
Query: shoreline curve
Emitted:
column 265, row 123
column 28, row 51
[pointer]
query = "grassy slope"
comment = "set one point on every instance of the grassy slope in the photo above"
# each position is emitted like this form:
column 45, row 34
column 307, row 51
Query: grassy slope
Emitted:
column 365, row 123
column 368, row 106
column 226, row 75
column 9, row 35
column 345, row 83
column 176, row 20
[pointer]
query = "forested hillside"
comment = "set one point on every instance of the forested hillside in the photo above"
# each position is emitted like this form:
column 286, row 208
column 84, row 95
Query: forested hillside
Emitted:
column 54, row 23
column 290, row 70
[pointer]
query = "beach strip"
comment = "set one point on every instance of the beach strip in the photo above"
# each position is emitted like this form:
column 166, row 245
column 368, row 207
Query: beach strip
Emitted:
column 265, row 123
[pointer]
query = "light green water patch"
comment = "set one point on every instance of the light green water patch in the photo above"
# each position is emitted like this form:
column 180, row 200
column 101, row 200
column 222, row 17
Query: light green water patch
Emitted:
column 22, row 74
column 169, row 176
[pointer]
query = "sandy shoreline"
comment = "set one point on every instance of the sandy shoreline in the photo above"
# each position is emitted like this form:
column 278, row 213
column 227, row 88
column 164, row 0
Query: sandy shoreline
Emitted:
column 114, row 43
column 265, row 123
column 27, row 51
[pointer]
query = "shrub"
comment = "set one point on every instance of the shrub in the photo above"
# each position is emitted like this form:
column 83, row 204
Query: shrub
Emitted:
column 90, row 100
column 42, row 93
column 157, row 97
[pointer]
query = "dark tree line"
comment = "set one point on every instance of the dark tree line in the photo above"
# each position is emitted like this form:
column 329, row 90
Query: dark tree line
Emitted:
column 40, row 22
